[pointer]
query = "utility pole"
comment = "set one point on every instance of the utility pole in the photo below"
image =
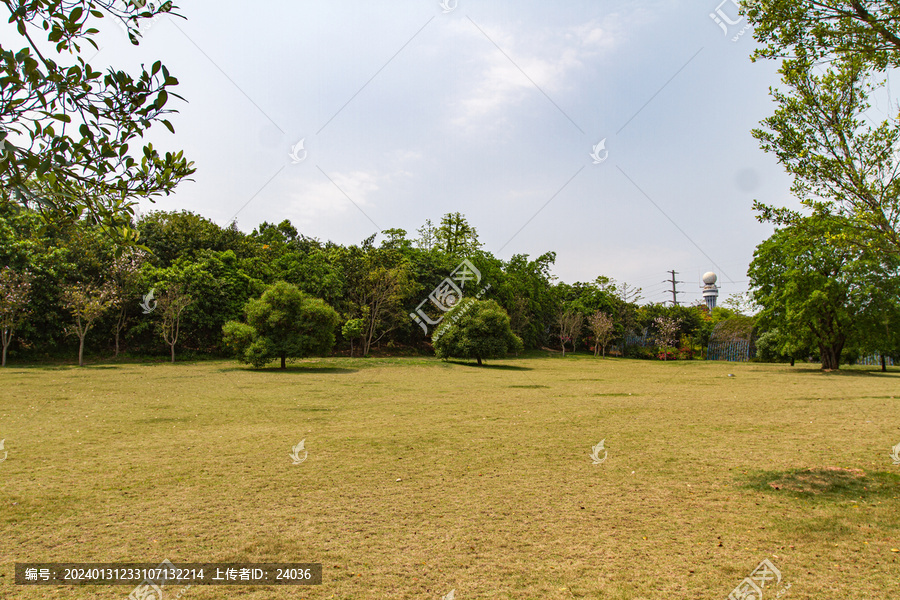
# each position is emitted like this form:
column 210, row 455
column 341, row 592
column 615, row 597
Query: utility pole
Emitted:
column 675, row 292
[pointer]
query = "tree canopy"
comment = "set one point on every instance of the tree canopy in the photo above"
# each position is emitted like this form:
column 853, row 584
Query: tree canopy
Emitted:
column 283, row 323
column 820, row 294
column 476, row 329
column 69, row 134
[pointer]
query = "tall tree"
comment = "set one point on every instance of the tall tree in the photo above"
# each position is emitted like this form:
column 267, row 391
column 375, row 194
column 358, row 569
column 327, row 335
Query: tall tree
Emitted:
column 456, row 236
column 70, row 132
column 427, row 236
column 87, row 302
column 15, row 289
column 816, row 290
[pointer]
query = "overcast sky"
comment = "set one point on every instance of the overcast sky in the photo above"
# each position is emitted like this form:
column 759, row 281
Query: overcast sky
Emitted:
column 409, row 109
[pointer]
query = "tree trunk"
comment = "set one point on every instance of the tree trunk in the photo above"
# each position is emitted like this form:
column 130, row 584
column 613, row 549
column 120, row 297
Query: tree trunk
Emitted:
column 831, row 358
column 479, row 360
column 81, row 350
column 120, row 325
column 283, row 361
column 792, row 361
column 5, row 346
column 172, row 346
column 883, row 361
column 564, row 349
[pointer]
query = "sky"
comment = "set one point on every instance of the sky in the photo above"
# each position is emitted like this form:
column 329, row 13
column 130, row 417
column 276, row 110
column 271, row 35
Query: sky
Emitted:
column 349, row 118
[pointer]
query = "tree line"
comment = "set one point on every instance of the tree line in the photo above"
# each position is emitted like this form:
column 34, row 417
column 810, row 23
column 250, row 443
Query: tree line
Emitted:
column 68, row 286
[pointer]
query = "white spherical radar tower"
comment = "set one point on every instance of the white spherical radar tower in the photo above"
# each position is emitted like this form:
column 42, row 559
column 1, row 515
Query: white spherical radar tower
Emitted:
column 710, row 291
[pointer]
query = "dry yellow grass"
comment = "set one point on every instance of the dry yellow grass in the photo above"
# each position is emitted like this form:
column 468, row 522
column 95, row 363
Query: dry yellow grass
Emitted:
column 497, row 495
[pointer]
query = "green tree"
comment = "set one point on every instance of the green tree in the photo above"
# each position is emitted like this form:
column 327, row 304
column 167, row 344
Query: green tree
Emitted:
column 352, row 330
column 283, row 323
column 456, row 236
column 87, row 302
column 526, row 291
column 814, row 290
column 220, row 289
column 842, row 162
column 427, row 236
column 170, row 235
column 377, row 284
column 476, row 329
column 70, row 133
column 15, row 289
column 869, row 29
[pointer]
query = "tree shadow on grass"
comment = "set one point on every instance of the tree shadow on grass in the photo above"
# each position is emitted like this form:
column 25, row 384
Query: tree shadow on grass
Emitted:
column 849, row 372
column 67, row 367
column 290, row 370
column 489, row 366
column 827, row 484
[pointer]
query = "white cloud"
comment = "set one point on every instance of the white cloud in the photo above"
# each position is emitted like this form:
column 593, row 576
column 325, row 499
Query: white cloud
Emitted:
column 315, row 198
column 500, row 84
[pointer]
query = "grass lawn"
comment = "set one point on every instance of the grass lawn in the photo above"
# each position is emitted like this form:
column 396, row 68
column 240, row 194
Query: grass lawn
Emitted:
column 424, row 476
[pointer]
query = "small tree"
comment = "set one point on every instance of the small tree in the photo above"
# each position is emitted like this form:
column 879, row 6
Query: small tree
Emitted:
column 603, row 328
column 283, row 323
column 667, row 333
column 353, row 330
column 476, row 329
column 172, row 303
column 87, row 302
column 15, row 289
column 570, row 323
